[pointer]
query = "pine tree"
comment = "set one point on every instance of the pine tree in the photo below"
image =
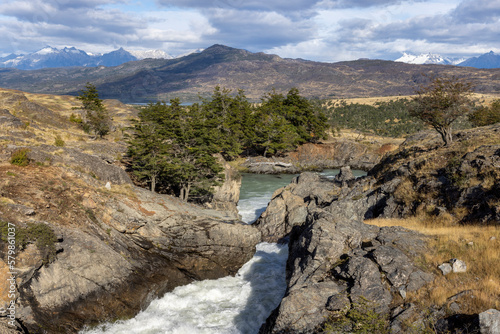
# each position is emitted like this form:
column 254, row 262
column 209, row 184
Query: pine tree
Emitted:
column 96, row 117
column 148, row 147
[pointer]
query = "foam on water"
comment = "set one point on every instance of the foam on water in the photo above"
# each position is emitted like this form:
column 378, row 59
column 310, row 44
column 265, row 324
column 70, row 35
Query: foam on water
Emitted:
column 228, row 305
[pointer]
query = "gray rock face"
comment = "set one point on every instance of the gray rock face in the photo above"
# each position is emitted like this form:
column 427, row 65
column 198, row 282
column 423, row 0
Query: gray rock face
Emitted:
column 91, row 165
column 132, row 251
column 290, row 204
column 7, row 120
column 226, row 196
column 344, row 175
column 334, row 264
column 335, row 261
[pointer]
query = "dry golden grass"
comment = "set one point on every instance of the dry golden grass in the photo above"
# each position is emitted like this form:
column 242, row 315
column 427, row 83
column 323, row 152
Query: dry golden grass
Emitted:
column 120, row 189
column 366, row 138
column 477, row 246
column 483, row 98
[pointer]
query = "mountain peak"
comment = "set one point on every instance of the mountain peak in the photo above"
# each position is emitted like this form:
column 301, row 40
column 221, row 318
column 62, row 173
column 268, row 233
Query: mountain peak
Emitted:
column 487, row 60
column 46, row 50
column 428, row 58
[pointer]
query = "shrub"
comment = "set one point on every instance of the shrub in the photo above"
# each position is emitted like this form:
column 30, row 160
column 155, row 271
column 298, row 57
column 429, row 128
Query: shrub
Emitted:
column 486, row 115
column 75, row 119
column 20, row 157
column 38, row 233
column 361, row 319
column 58, row 141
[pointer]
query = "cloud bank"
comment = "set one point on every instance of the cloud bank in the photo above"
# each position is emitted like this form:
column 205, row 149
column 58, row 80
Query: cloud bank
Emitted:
column 323, row 30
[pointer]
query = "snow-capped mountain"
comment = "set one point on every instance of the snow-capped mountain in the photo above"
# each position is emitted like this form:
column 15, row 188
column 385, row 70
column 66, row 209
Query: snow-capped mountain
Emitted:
column 53, row 57
column 428, row 58
column 155, row 54
column 47, row 57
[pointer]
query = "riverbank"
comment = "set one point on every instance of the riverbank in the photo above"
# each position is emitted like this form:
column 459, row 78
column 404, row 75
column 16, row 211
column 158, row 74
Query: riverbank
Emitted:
column 357, row 150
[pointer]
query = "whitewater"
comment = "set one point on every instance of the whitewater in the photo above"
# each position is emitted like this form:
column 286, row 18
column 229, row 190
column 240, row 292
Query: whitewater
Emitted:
column 229, row 305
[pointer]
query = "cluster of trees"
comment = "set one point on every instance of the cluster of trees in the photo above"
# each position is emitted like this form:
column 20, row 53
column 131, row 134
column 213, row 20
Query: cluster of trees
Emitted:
column 486, row 115
column 389, row 118
column 173, row 147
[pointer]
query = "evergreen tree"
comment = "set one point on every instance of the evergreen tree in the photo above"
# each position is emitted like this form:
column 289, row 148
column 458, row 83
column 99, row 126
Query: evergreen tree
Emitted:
column 309, row 121
column 228, row 120
column 168, row 148
column 282, row 122
column 275, row 134
column 96, row 117
column 149, row 146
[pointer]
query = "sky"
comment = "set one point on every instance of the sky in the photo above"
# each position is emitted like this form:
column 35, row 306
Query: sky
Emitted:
column 319, row 30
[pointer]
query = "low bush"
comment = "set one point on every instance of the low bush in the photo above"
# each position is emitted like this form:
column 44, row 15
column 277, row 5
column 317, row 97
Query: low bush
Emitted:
column 20, row 157
column 360, row 319
column 58, row 141
column 37, row 233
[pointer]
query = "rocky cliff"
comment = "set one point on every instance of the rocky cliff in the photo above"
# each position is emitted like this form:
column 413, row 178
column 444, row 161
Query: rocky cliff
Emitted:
column 336, row 261
column 115, row 249
column 342, row 273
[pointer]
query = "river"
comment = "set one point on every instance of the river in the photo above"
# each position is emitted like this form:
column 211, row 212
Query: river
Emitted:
column 229, row 305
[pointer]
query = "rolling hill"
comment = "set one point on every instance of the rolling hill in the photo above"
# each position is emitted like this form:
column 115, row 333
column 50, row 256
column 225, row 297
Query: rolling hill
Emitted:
column 197, row 74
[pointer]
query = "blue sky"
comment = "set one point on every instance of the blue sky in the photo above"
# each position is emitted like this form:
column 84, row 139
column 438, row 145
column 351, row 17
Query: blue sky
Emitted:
column 321, row 30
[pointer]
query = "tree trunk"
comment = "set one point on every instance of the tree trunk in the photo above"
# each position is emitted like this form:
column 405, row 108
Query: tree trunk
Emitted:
column 446, row 134
column 153, row 183
column 184, row 193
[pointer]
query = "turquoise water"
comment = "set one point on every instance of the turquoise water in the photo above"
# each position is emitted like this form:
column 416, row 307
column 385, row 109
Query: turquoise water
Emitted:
column 257, row 190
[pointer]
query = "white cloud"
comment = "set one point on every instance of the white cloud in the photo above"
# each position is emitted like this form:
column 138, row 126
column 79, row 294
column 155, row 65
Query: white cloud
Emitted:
column 328, row 30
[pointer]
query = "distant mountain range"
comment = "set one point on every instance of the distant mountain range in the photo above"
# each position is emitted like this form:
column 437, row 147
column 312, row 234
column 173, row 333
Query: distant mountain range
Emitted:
column 195, row 75
column 50, row 57
column 487, row 60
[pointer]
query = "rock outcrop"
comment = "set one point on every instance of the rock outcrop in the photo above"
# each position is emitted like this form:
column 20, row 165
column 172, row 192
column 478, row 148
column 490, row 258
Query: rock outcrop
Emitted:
column 335, row 260
column 227, row 195
column 338, row 264
column 115, row 250
column 341, row 152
